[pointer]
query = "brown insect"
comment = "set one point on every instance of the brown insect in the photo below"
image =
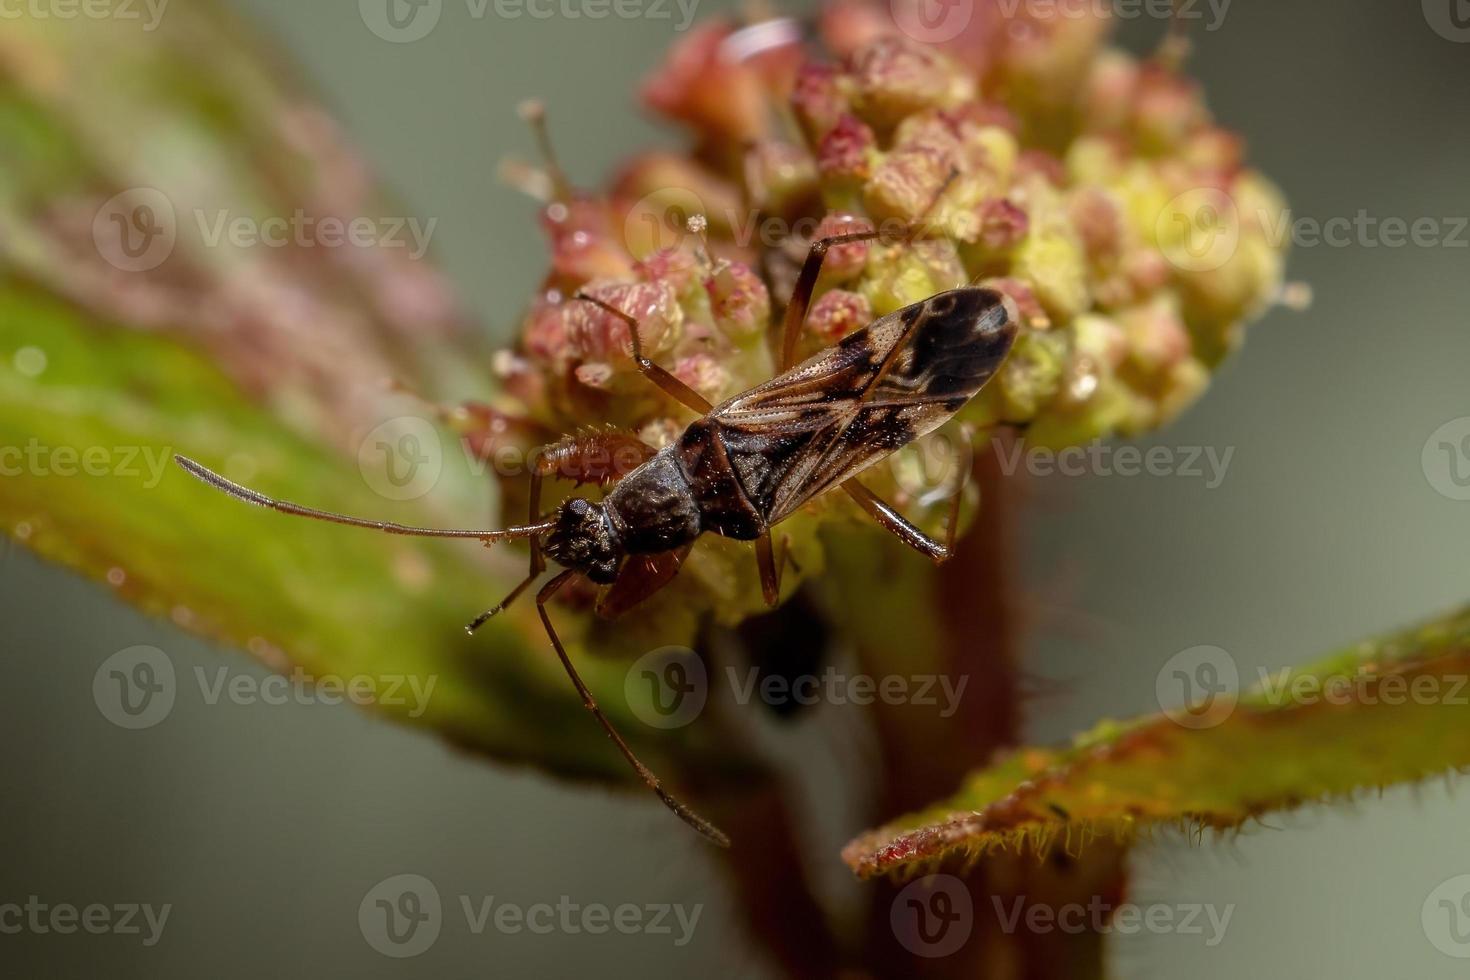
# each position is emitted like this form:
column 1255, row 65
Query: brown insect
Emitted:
column 742, row 466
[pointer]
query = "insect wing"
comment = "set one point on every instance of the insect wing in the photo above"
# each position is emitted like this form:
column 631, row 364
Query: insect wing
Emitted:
column 875, row 391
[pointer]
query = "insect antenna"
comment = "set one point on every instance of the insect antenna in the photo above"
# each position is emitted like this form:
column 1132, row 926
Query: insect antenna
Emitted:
column 286, row 507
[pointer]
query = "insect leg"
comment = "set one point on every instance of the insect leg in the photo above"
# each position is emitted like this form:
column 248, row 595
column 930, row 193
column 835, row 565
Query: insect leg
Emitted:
column 811, row 270
column 770, row 569
column 538, row 561
column 671, row 385
column 806, row 284
column 683, row 812
column 891, row 520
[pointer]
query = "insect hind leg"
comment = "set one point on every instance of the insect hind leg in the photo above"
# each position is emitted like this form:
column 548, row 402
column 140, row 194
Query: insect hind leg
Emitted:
column 888, row 517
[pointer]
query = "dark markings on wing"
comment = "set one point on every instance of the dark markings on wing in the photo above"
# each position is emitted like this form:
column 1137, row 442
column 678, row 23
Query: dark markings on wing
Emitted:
column 852, row 404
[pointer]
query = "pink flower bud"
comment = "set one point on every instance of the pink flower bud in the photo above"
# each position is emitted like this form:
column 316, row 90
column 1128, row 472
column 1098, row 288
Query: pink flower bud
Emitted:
column 843, row 262
column 781, row 176
column 704, row 374
column 895, row 78
column 1168, row 110
column 817, row 99
column 1098, row 220
column 738, row 300
column 593, row 334
column 699, row 85
column 838, row 313
column 583, row 244
column 848, row 151
column 911, row 176
column 1002, row 225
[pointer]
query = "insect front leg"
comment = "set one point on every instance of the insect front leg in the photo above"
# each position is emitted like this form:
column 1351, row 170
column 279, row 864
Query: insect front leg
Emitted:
column 682, row 811
column 598, row 456
column 811, row 271
column 538, row 564
column 806, row 284
column 671, row 385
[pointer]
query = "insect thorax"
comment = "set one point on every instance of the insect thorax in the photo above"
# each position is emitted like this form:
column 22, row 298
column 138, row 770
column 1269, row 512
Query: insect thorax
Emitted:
column 653, row 509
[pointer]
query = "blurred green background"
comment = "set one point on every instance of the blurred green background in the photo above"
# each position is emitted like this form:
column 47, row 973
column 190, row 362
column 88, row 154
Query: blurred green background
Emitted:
column 264, row 826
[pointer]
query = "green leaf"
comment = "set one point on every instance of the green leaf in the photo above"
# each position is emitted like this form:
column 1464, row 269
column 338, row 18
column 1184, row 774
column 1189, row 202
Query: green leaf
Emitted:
column 270, row 364
column 1388, row 711
column 337, row 602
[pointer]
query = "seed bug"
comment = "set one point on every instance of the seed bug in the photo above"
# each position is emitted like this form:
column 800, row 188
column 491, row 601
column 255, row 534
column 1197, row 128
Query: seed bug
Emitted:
column 743, row 466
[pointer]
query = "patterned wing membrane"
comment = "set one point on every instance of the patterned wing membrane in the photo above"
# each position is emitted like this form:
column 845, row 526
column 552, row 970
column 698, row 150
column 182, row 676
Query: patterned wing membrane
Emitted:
column 850, row 405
